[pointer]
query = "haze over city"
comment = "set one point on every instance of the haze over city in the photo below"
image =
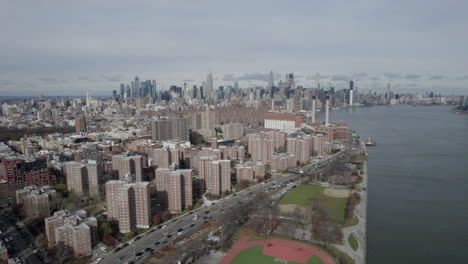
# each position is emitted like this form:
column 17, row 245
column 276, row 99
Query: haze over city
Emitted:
column 233, row 132
column 60, row 48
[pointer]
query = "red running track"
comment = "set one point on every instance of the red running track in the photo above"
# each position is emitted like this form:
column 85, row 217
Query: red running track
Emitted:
column 281, row 249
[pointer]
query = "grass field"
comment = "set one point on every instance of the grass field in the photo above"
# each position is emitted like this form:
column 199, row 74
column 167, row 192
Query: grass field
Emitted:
column 353, row 242
column 304, row 194
column 254, row 255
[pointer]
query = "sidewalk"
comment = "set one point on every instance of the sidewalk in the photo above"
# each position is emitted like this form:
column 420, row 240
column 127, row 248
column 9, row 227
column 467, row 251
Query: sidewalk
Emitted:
column 360, row 230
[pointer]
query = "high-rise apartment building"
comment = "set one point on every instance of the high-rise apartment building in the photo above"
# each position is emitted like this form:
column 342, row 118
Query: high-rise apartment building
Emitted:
column 129, row 204
column 208, row 119
column 204, row 168
column 166, row 157
column 83, row 178
column 74, row 231
column 300, row 147
column 244, row 173
column 218, row 180
column 261, row 149
column 80, row 125
column 170, row 128
column 35, row 200
column 174, row 189
column 129, row 165
column 233, row 131
column 20, row 173
column 283, row 161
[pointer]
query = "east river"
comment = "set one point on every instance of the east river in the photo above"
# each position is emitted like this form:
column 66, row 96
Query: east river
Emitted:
column 418, row 182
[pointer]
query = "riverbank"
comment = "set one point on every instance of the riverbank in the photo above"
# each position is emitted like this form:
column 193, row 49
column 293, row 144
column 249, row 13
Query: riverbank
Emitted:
column 359, row 231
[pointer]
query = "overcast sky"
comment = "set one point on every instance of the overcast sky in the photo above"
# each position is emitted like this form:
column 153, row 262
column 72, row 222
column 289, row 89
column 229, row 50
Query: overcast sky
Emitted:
column 66, row 47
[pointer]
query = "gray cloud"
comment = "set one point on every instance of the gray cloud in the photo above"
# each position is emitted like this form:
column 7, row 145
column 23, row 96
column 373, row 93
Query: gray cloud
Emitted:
column 83, row 78
column 111, row 78
column 84, row 41
column 315, row 77
column 463, row 78
column 48, row 79
column 229, row 77
column 250, row 76
column 392, row 75
column 6, row 82
column 359, row 75
column 341, row 77
column 436, row 77
column 412, row 76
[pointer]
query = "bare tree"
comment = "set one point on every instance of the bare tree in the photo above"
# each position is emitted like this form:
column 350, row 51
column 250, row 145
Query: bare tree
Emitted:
column 328, row 232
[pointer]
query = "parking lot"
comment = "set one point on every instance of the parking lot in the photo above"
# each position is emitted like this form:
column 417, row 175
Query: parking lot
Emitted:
column 18, row 241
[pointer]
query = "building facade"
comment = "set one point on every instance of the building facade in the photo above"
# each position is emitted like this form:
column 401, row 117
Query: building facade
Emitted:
column 75, row 232
column 129, row 204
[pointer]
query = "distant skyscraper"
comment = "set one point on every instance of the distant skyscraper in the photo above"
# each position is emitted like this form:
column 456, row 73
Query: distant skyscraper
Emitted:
column 154, row 93
column 290, row 79
column 327, row 110
column 88, row 98
column 209, row 86
column 314, row 110
column 128, row 92
column 351, row 93
column 270, row 80
column 388, row 92
column 137, row 86
column 122, row 90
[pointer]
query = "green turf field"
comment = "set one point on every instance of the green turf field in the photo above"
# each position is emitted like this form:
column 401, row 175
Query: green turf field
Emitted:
column 303, row 194
column 353, row 242
column 254, row 255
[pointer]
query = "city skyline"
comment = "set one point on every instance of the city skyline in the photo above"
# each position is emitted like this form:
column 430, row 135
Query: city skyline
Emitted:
column 416, row 46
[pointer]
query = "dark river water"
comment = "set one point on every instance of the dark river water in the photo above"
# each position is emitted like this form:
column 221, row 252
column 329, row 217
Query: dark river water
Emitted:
column 418, row 182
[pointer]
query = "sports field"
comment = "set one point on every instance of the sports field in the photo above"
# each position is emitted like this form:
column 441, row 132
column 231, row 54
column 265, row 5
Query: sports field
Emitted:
column 304, row 194
column 271, row 250
column 254, row 255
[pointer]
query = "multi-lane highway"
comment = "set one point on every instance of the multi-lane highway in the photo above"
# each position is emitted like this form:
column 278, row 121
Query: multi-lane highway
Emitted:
column 154, row 239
